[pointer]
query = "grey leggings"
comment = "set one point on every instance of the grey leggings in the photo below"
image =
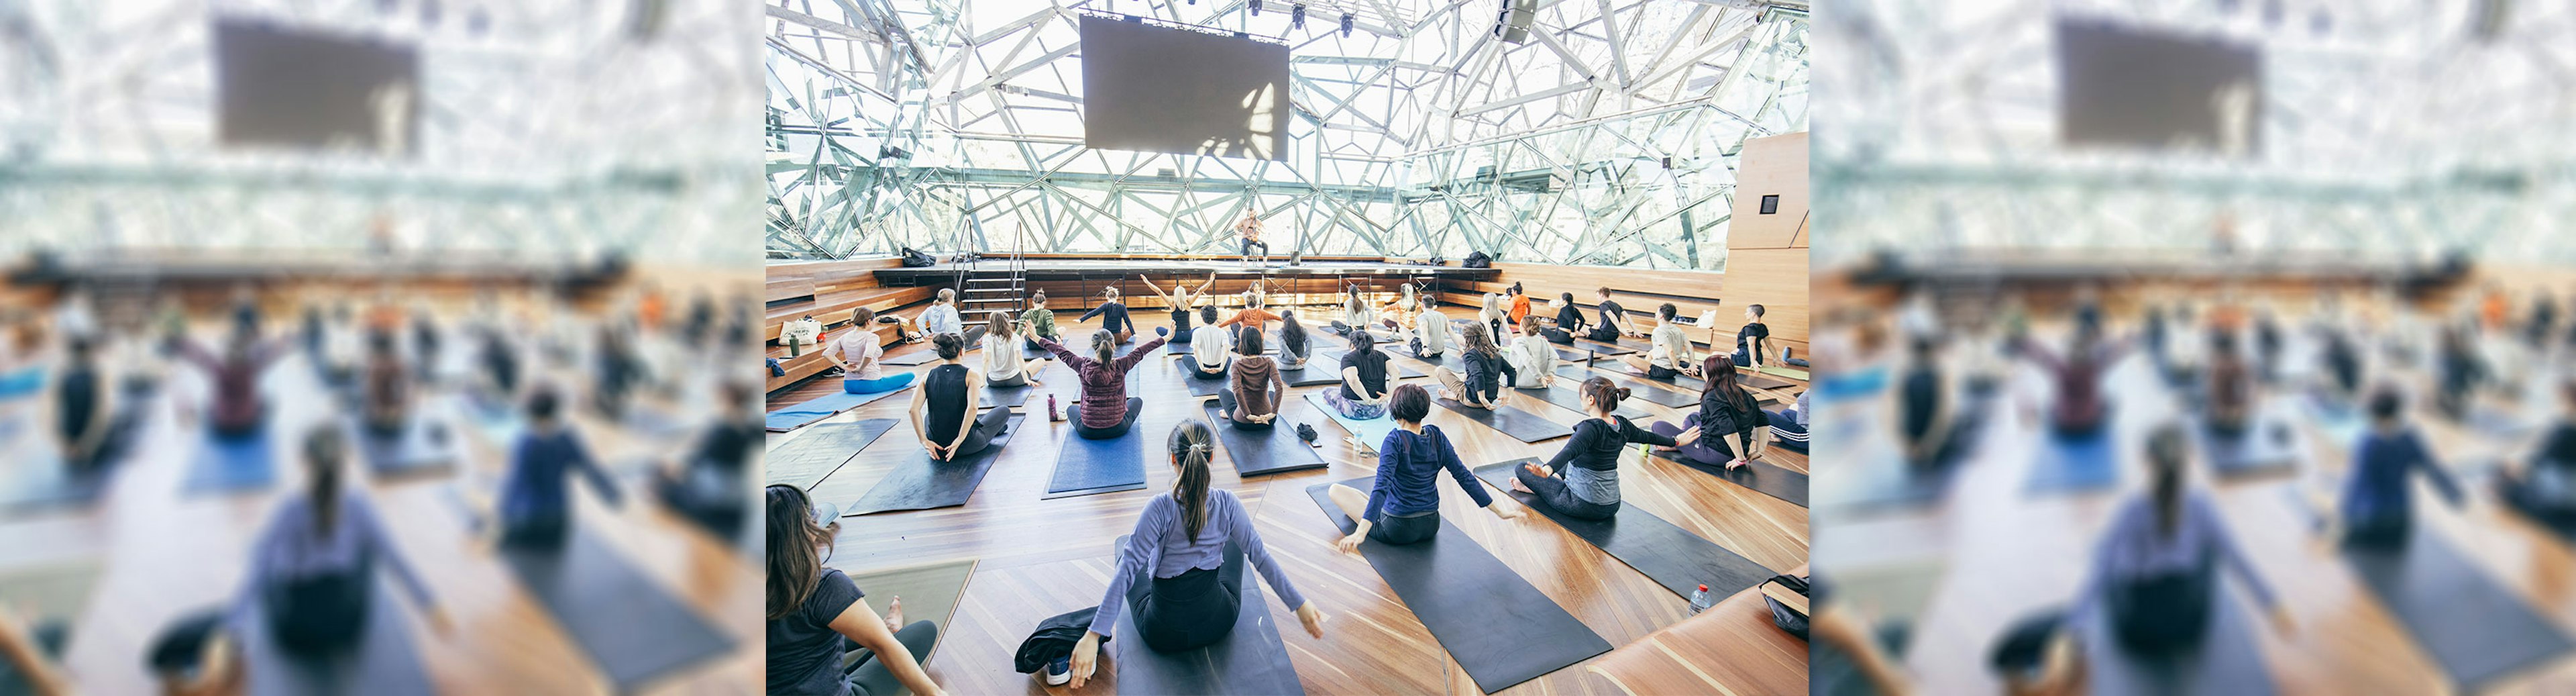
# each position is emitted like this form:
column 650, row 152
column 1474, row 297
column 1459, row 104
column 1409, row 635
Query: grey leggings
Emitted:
column 870, row 675
column 980, row 432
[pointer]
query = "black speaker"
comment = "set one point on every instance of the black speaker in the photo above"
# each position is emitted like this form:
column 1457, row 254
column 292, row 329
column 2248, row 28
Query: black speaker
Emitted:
column 1513, row 26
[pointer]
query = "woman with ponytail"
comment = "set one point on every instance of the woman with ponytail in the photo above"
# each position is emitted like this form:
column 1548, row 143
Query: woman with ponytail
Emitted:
column 1725, row 408
column 312, row 572
column 815, row 613
column 1182, row 569
column 1106, row 411
column 1582, row 480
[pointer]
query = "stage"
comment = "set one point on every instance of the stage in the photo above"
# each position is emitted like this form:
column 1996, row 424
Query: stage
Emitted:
column 1103, row 269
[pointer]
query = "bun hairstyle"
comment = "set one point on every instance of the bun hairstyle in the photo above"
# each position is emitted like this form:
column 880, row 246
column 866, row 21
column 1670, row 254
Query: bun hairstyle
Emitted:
column 947, row 295
column 859, row 318
column 1603, row 394
column 1110, row 292
column 1516, row 289
column 1104, row 345
column 1193, row 445
column 1037, row 299
column 795, row 568
column 1361, row 340
column 948, row 346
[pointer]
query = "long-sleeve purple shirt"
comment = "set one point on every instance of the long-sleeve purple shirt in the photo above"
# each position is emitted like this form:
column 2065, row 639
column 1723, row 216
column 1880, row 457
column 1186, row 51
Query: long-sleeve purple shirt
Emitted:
column 2134, row 547
column 1408, row 475
column 1104, row 385
column 291, row 548
column 1161, row 548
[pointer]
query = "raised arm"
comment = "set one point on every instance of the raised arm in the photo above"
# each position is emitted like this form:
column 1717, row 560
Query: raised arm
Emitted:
column 1158, row 292
column 1128, row 361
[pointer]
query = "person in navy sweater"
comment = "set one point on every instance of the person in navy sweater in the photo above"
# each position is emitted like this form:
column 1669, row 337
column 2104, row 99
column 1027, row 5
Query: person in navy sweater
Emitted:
column 2377, row 507
column 1403, row 506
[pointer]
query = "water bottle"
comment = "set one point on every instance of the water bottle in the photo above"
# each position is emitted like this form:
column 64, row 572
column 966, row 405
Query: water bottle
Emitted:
column 1053, row 415
column 1700, row 601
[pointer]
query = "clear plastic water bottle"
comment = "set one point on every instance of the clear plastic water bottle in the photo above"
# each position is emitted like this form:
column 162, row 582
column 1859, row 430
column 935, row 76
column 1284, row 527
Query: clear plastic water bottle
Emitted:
column 1700, row 601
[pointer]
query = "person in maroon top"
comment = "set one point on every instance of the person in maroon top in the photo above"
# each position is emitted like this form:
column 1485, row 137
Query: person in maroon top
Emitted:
column 238, row 410
column 1106, row 411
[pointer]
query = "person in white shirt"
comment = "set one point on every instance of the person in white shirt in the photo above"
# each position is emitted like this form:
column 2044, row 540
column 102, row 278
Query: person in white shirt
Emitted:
column 1210, row 345
column 1494, row 317
column 1532, row 357
column 1003, row 365
column 1399, row 314
column 941, row 317
column 1671, row 354
column 860, row 358
column 1430, row 332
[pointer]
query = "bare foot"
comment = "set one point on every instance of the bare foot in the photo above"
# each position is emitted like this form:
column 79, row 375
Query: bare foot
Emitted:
column 1518, row 487
column 894, row 614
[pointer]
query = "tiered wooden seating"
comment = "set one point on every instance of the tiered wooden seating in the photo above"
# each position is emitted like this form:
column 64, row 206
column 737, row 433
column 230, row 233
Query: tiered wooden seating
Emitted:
column 828, row 290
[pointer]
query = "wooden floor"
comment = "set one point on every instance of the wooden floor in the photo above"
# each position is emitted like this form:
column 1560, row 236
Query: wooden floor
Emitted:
column 1960, row 573
column 159, row 553
column 1039, row 558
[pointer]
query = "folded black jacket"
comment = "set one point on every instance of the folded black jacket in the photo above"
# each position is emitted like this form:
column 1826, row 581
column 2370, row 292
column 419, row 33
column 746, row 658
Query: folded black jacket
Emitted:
column 1053, row 639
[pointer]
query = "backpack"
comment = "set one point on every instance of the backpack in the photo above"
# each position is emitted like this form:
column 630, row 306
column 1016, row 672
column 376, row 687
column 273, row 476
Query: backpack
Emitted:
column 913, row 258
column 1479, row 260
column 1788, row 619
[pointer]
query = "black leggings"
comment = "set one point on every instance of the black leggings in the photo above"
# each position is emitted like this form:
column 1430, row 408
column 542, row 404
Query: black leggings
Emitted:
column 1557, row 336
column 1401, row 530
column 1135, row 405
column 2163, row 613
column 981, row 432
column 1553, row 493
column 1204, row 373
column 1249, row 244
column 1192, row 609
column 321, row 614
column 870, row 676
column 1604, row 334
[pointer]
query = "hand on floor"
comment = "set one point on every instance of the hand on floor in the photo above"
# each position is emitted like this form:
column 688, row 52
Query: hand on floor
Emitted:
column 1086, row 657
column 1351, row 544
column 1312, row 617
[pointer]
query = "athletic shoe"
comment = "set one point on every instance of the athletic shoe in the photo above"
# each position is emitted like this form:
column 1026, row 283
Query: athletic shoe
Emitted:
column 1059, row 671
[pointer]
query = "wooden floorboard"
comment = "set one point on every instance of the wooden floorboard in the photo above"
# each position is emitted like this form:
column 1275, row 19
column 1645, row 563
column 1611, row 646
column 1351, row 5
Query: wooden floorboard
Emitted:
column 1044, row 557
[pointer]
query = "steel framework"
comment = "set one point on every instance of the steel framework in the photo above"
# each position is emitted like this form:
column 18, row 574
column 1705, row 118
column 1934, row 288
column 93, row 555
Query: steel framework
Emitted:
column 1609, row 137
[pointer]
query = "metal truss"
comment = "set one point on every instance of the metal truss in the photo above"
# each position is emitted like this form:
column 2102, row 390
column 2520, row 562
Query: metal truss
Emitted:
column 1609, row 137
column 552, row 127
column 2388, row 127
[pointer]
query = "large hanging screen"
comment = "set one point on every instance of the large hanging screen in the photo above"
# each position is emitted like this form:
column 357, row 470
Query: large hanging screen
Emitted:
column 2127, row 86
column 1163, row 89
column 284, row 87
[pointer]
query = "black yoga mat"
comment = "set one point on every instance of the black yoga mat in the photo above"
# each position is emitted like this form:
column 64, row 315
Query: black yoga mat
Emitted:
column 633, row 629
column 1004, row 397
column 811, row 457
column 1637, row 388
column 1762, row 381
column 1321, row 368
column 1564, row 394
column 1250, row 660
column 1262, row 452
column 1888, row 480
column 1762, row 477
column 2268, row 448
column 922, row 484
column 2226, row 661
column 1084, row 467
column 1204, row 388
column 1672, row 556
column 2477, row 629
column 233, row 466
column 44, row 481
column 423, row 448
column 1623, row 346
column 1501, row 630
column 1521, row 425
column 1687, row 384
column 383, row 662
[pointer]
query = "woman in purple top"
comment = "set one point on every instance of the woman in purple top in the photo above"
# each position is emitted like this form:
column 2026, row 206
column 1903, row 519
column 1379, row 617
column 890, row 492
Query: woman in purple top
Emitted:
column 2155, row 573
column 1403, row 505
column 312, row 576
column 1183, row 567
column 1106, row 411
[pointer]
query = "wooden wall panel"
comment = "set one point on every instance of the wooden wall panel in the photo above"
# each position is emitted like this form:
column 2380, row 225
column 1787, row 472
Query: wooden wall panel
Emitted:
column 1776, row 165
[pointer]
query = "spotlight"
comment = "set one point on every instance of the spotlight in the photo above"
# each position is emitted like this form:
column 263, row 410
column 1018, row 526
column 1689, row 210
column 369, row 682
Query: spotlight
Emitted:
column 1297, row 16
column 1256, row 8
column 1346, row 24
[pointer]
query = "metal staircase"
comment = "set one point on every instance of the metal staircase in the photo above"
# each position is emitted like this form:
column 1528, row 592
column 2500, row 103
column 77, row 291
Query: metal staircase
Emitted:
column 983, row 288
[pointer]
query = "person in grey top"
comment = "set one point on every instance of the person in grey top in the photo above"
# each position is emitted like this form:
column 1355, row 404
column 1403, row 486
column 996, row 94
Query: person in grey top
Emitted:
column 1582, row 480
column 312, row 570
column 2155, row 572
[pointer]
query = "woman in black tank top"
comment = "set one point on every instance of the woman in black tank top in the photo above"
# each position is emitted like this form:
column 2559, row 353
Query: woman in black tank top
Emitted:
column 943, row 410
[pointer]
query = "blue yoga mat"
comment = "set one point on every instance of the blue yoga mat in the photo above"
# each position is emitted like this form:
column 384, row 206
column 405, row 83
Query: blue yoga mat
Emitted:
column 821, row 407
column 1084, row 466
column 2080, row 465
column 231, row 466
column 23, row 383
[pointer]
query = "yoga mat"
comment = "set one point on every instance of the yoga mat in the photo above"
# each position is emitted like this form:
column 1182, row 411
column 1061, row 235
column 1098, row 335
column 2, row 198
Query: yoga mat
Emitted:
column 45, row 481
column 1673, row 557
column 1251, row 660
column 653, row 423
column 1084, row 466
column 1006, row 397
column 2497, row 423
column 22, row 383
column 812, row 457
column 922, row 484
column 423, row 448
column 1760, row 381
column 2080, row 465
column 1887, row 480
column 1762, row 477
column 232, row 466
column 1264, row 452
column 1370, row 433
column 2269, row 447
column 1789, row 372
column 930, row 593
column 1204, row 388
column 821, row 407
column 1501, row 630
column 1624, row 345
column 1686, row 384
column 1565, row 395
column 1521, row 425
column 927, row 355
column 633, row 629
column 383, row 662
column 1321, row 368
column 2228, row 660
column 1636, row 388
column 2476, row 628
